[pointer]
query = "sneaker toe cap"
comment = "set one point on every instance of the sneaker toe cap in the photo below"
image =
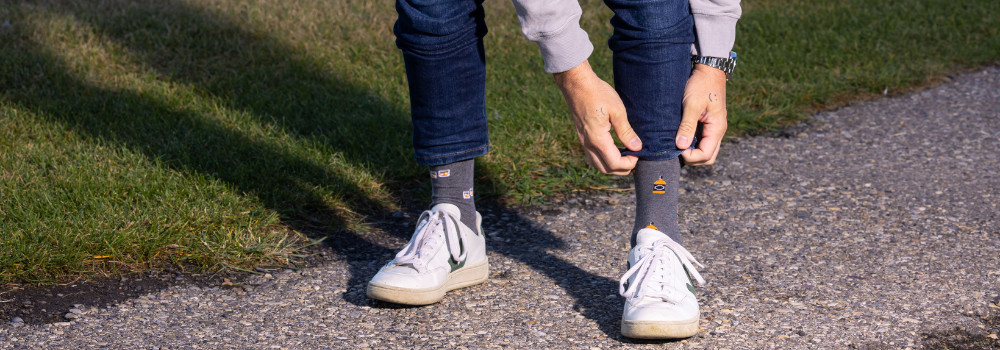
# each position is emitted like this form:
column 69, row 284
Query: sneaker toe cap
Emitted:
column 407, row 278
column 657, row 310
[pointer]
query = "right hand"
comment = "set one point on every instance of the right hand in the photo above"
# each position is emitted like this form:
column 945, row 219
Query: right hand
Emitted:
column 596, row 107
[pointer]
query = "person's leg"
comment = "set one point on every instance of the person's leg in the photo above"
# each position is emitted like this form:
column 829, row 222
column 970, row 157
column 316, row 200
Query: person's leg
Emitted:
column 651, row 44
column 652, row 62
column 445, row 62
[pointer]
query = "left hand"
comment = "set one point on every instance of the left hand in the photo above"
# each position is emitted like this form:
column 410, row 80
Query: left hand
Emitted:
column 704, row 102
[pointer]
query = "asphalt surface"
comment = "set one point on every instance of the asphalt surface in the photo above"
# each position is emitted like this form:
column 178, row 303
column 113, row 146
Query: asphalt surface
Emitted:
column 876, row 226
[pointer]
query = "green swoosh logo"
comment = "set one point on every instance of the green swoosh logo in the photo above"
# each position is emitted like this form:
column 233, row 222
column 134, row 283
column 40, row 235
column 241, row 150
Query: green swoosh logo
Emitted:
column 455, row 265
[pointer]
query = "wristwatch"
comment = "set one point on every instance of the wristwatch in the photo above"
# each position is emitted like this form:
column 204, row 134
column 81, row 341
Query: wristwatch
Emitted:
column 727, row 65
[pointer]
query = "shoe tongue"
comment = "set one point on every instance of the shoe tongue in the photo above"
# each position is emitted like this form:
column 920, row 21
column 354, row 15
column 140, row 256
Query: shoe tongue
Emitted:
column 648, row 236
column 449, row 208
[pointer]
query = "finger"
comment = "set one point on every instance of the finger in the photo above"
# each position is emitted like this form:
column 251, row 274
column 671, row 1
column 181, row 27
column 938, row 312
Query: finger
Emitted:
column 615, row 163
column 624, row 131
column 715, row 154
column 686, row 154
column 689, row 123
column 697, row 157
column 625, row 166
column 603, row 146
column 595, row 161
column 715, row 132
column 709, row 146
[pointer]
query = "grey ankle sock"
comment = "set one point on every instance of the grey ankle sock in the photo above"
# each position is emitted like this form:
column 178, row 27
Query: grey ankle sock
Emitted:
column 452, row 184
column 656, row 196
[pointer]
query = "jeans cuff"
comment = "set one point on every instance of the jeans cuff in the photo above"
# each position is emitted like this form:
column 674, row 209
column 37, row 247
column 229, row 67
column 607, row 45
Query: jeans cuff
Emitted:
column 453, row 157
column 658, row 156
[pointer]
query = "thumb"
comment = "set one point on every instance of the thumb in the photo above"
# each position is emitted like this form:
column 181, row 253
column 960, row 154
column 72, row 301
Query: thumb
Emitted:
column 624, row 131
column 689, row 123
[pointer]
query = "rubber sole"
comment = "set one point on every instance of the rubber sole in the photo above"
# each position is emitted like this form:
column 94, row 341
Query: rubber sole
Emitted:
column 660, row 329
column 461, row 278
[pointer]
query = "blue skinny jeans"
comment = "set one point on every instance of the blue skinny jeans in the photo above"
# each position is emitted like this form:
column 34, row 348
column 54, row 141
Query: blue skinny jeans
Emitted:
column 442, row 44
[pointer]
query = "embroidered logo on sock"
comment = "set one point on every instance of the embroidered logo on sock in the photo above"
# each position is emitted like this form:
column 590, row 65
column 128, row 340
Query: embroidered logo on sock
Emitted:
column 651, row 226
column 444, row 173
column 660, row 186
column 434, row 174
column 466, row 194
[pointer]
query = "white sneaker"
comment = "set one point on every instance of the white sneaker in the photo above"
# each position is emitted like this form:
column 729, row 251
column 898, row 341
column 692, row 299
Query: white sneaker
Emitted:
column 442, row 255
column 660, row 301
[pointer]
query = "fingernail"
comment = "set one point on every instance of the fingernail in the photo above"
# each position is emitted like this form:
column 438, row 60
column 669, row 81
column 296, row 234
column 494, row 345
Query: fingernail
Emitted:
column 683, row 140
column 635, row 143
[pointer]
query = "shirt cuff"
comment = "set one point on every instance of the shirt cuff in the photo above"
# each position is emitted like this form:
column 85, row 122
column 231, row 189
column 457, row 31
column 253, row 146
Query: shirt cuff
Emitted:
column 565, row 49
column 714, row 35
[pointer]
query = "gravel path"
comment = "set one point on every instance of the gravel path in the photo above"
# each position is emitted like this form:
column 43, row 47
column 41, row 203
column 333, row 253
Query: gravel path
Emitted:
column 875, row 227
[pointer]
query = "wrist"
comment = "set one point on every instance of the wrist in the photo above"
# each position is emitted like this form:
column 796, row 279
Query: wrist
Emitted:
column 575, row 76
column 709, row 71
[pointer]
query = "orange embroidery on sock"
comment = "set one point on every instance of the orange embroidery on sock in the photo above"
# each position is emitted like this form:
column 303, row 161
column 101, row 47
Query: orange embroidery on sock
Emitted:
column 660, row 186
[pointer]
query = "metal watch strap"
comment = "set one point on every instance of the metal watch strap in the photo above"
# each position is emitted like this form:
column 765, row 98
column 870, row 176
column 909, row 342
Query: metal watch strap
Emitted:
column 727, row 65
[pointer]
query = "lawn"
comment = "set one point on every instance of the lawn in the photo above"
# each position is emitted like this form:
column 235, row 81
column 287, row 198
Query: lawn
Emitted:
column 223, row 134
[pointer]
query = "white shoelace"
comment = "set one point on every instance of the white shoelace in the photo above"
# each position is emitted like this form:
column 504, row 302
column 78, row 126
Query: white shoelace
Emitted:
column 653, row 279
column 434, row 226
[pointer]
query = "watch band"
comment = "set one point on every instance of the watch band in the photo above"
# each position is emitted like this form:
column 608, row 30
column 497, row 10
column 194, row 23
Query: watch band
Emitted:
column 727, row 65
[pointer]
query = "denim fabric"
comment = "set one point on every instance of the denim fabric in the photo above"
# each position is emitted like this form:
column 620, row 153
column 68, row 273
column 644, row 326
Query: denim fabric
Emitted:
column 443, row 51
column 445, row 62
column 652, row 62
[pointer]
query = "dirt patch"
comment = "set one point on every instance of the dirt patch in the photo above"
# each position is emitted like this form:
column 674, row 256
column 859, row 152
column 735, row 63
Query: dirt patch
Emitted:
column 959, row 338
column 46, row 304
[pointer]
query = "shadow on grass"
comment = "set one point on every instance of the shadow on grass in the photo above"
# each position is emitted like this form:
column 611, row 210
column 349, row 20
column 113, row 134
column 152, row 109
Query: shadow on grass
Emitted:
column 189, row 141
column 255, row 73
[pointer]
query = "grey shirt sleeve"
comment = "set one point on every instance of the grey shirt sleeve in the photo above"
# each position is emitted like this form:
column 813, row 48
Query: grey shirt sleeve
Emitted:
column 555, row 26
column 714, row 26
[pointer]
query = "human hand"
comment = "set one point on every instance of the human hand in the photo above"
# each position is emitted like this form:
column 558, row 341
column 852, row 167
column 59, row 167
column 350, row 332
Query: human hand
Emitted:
column 596, row 107
column 704, row 102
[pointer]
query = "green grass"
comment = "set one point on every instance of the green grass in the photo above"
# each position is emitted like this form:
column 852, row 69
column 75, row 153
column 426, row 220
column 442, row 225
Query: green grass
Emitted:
column 222, row 133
